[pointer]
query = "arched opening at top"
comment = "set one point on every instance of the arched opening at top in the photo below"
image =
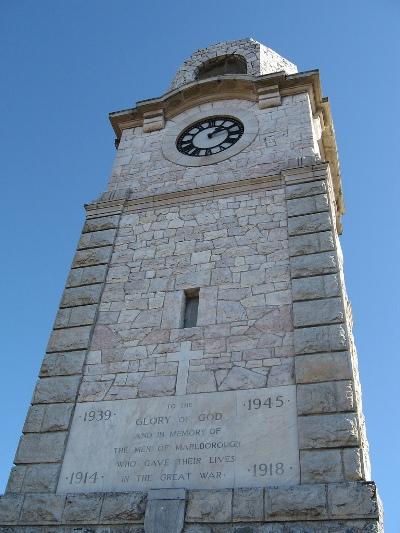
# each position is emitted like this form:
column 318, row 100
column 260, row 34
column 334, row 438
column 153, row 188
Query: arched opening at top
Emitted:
column 218, row 66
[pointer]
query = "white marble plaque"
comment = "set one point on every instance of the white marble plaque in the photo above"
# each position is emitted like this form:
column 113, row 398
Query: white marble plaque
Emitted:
column 244, row 438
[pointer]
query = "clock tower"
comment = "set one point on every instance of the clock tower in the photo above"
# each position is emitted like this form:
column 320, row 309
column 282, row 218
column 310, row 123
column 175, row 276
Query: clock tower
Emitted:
column 201, row 375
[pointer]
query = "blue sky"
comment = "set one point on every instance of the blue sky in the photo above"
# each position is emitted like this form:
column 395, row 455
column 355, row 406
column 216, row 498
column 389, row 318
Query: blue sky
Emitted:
column 66, row 64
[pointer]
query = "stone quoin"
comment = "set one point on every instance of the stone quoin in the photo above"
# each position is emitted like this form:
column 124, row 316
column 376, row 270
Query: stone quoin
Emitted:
column 201, row 375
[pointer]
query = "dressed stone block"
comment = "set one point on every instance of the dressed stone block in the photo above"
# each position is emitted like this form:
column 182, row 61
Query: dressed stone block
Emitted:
column 320, row 339
column 100, row 223
column 62, row 364
column 85, row 295
column 92, row 256
column 326, row 311
column 310, row 188
column 209, row 506
column 97, row 238
column 40, row 478
column 328, row 431
column 302, row 502
column 41, row 447
column 69, row 339
column 313, row 264
column 321, row 466
column 10, row 508
column 316, row 287
column 42, row 508
column 307, row 205
column 56, row 389
column 328, row 397
column 248, row 505
column 353, row 500
column 123, row 507
column 309, row 223
column 323, row 367
column 311, row 243
column 82, row 508
column 86, row 276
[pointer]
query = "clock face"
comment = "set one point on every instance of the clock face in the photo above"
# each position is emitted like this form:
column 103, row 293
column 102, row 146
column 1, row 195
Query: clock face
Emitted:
column 210, row 136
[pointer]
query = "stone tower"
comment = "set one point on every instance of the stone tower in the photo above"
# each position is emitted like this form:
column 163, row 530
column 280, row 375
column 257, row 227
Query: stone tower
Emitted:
column 201, row 375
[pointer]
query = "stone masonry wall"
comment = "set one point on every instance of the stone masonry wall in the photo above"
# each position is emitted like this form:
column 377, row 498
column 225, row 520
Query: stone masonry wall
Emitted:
column 235, row 250
column 285, row 133
column 258, row 239
column 307, row 320
column 259, row 60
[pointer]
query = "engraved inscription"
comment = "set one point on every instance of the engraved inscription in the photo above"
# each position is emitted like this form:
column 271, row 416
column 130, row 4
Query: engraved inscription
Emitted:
column 245, row 438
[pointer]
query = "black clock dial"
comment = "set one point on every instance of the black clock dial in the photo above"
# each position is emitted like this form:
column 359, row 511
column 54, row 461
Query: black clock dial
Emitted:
column 209, row 136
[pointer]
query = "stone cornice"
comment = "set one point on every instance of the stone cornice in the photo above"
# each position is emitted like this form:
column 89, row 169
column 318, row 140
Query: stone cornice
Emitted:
column 244, row 87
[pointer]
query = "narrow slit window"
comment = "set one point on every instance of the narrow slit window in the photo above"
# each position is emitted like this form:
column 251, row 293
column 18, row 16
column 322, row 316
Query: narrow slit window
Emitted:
column 191, row 308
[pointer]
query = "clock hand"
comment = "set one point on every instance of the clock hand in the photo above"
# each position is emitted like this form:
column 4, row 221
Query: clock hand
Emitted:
column 219, row 128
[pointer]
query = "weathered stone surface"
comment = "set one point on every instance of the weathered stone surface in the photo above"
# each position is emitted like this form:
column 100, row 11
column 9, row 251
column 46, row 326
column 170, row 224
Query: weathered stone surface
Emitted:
column 193, row 279
column 313, row 264
column 306, row 205
column 207, row 312
column 41, row 478
column 33, row 421
column 209, row 506
column 93, row 390
column 310, row 188
column 315, row 287
column 353, row 500
column 10, row 508
column 80, row 316
column 311, row 243
column 42, row 508
column 87, row 276
column 328, row 431
column 309, row 223
column 84, row 295
column 172, row 312
column 157, row 386
column 164, row 516
column 320, row 339
column 69, row 339
column 100, row 223
column 123, row 507
column 56, row 389
column 303, row 501
column 228, row 311
column 57, row 417
column 203, row 381
column 321, row 466
column 82, row 508
column 16, row 479
column 327, row 397
column 352, row 464
column 92, row 256
column 97, row 238
column 327, row 311
column 315, row 368
column 41, row 447
column 242, row 378
column 248, row 505
column 62, row 364
column 282, row 374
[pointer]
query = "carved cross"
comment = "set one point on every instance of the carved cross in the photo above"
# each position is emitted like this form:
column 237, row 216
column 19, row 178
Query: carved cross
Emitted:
column 183, row 357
